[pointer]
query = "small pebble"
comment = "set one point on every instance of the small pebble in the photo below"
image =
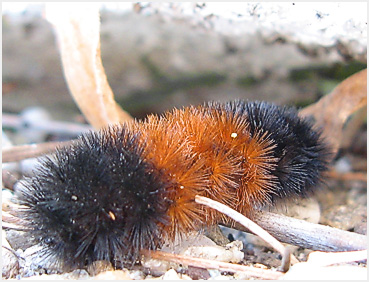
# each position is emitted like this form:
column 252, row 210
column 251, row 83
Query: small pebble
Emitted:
column 171, row 274
column 343, row 165
column 31, row 118
column 113, row 275
column 77, row 274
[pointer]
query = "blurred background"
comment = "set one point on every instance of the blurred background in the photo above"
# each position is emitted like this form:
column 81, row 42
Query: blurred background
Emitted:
column 163, row 55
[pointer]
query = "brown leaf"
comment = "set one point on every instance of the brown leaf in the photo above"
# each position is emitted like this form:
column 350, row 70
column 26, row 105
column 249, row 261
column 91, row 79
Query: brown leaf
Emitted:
column 77, row 27
column 332, row 111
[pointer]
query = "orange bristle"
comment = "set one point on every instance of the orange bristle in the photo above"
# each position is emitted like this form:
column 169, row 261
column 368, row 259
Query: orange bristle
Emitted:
column 209, row 153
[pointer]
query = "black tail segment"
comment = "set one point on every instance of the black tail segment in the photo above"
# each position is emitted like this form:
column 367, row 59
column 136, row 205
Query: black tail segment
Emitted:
column 302, row 156
column 301, row 152
column 96, row 200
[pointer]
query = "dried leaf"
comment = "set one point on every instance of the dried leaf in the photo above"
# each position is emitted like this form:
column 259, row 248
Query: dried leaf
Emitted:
column 332, row 111
column 77, row 26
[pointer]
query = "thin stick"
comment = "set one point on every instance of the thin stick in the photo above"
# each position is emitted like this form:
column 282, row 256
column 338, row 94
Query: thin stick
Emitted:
column 361, row 176
column 8, row 221
column 9, row 179
column 256, row 229
column 286, row 260
column 50, row 126
column 213, row 264
column 305, row 234
column 13, row 252
column 18, row 153
column 8, row 225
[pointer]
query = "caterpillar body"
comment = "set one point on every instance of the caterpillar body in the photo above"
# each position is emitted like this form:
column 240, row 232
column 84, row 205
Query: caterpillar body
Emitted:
column 129, row 187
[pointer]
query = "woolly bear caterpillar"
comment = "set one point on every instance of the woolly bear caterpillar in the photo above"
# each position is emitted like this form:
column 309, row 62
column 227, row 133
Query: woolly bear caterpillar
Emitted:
column 129, row 187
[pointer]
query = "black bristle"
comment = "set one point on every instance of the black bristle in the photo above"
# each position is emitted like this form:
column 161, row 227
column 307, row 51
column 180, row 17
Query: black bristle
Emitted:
column 96, row 200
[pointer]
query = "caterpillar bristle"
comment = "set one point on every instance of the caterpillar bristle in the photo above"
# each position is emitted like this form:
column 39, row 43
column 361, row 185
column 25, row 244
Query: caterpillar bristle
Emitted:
column 129, row 187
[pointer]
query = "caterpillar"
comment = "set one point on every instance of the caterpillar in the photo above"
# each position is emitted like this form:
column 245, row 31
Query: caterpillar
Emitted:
column 129, row 187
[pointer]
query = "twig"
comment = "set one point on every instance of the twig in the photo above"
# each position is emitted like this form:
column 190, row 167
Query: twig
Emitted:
column 50, row 126
column 9, row 221
column 360, row 176
column 9, row 178
column 213, row 264
column 13, row 252
column 8, row 225
column 18, row 153
column 307, row 235
column 286, row 260
column 256, row 229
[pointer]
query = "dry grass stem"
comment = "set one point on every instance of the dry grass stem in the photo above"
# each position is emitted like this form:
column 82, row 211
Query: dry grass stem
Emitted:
column 306, row 234
column 256, row 229
column 9, row 221
column 50, row 126
column 360, row 176
column 21, row 152
column 213, row 264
